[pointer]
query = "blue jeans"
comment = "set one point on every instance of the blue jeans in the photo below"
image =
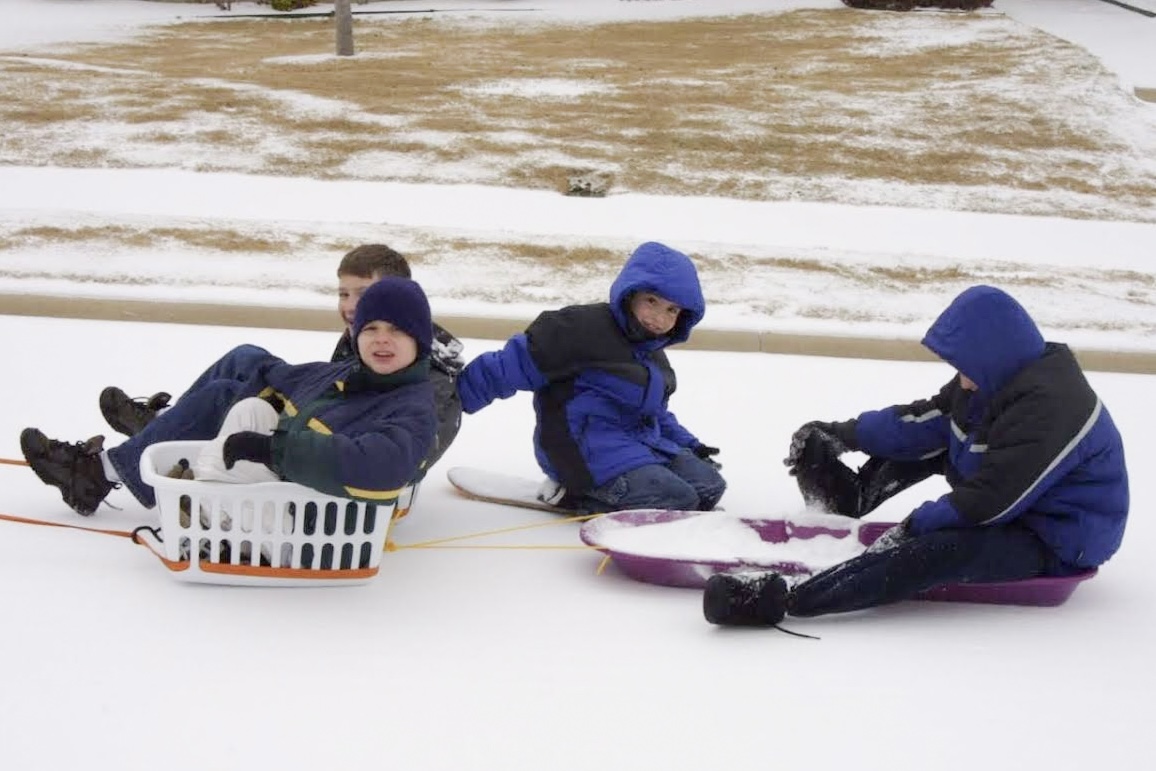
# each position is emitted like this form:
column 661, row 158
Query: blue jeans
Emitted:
column 685, row 483
column 239, row 364
column 954, row 555
column 198, row 414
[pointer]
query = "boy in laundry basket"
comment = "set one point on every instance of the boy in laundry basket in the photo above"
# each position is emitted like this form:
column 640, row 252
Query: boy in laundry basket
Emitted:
column 359, row 269
column 361, row 428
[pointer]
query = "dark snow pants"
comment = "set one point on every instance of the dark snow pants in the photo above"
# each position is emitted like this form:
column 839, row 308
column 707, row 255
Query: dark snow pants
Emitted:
column 953, row 555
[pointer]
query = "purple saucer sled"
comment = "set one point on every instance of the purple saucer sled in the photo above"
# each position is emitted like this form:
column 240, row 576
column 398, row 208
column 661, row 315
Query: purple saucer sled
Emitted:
column 693, row 572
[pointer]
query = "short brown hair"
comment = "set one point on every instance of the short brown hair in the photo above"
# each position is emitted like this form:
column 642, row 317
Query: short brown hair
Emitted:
column 373, row 261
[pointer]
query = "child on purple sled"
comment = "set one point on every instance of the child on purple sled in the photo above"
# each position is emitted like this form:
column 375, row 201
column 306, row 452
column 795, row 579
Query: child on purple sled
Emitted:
column 601, row 381
column 1035, row 463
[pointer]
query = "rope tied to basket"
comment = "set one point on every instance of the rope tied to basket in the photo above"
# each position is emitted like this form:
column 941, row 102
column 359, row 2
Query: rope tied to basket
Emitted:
column 179, row 557
column 390, row 544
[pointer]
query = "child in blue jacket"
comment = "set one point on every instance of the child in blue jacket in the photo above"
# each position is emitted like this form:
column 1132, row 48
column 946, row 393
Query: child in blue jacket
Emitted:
column 1036, row 467
column 601, row 380
column 360, row 428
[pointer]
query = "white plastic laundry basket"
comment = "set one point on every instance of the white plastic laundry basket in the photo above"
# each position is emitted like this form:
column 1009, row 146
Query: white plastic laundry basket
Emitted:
column 271, row 533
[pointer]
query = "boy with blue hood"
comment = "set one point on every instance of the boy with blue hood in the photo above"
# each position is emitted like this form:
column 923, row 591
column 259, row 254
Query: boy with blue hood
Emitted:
column 601, row 381
column 1035, row 463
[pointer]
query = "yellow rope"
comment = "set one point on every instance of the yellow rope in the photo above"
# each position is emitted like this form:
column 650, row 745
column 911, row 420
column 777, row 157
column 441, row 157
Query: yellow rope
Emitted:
column 390, row 546
column 446, row 543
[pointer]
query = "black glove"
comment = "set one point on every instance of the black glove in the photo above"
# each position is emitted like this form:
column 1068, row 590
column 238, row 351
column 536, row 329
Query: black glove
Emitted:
column 705, row 452
column 840, row 437
column 248, row 445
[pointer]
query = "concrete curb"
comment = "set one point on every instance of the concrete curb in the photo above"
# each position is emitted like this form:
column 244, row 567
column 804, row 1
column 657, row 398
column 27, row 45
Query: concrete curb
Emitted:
column 485, row 328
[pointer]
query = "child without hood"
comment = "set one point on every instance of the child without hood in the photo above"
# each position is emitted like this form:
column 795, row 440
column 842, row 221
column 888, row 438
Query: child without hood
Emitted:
column 360, row 428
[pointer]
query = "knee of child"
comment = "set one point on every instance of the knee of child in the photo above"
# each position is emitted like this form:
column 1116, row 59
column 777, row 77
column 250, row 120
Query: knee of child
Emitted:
column 252, row 414
column 683, row 498
column 248, row 349
column 710, row 496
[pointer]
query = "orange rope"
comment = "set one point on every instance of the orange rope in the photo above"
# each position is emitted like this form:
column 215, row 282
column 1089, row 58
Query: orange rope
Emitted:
column 46, row 523
column 436, row 543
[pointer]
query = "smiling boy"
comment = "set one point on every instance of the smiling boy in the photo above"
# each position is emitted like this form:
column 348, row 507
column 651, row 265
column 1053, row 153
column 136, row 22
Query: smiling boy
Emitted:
column 358, row 270
column 361, row 428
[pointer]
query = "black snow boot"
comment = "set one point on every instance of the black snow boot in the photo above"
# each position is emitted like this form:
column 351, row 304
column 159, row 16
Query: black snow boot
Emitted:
column 825, row 481
column 745, row 599
column 129, row 416
column 75, row 469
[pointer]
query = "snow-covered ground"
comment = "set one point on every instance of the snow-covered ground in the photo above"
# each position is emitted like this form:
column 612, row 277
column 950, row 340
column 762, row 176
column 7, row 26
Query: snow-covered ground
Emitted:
column 528, row 659
column 500, row 659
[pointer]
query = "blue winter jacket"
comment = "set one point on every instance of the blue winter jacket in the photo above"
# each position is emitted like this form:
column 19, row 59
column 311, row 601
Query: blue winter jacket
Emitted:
column 601, row 386
column 1034, row 443
column 346, row 431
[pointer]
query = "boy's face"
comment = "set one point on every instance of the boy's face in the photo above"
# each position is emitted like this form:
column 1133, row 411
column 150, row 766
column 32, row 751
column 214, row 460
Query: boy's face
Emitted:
column 349, row 290
column 384, row 348
column 967, row 383
column 655, row 313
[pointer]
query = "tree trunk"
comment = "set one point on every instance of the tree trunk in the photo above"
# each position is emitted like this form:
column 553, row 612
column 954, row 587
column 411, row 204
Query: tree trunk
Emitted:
column 343, row 15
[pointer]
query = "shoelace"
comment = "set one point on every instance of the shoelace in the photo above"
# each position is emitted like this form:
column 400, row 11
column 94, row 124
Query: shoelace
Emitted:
column 795, row 634
column 156, row 402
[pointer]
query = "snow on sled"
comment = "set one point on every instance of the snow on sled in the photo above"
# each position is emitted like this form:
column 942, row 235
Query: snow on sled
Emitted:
column 684, row 548
column 504, row 489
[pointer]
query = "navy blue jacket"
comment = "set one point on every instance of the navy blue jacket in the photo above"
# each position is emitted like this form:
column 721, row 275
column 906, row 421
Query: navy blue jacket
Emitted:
column 601, row 387
column 347, row 432
column 1034, row 443
column 445, row 363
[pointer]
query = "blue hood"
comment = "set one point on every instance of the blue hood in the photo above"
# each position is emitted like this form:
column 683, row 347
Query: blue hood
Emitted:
column 657, row 268
column 986, row 335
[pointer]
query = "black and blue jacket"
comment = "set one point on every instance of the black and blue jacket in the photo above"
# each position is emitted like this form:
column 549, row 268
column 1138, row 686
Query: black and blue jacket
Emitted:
column 600, row 387
column 1034, row 443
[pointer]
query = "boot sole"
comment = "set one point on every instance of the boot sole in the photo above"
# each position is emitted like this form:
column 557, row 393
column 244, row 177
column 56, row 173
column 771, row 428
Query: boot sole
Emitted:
column 34, row 444
column 718, row 601
column 724, row 605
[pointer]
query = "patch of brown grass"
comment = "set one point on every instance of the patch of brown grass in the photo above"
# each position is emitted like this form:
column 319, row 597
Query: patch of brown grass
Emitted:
column 573, row 260
column 222, row 240
column 717, row 106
